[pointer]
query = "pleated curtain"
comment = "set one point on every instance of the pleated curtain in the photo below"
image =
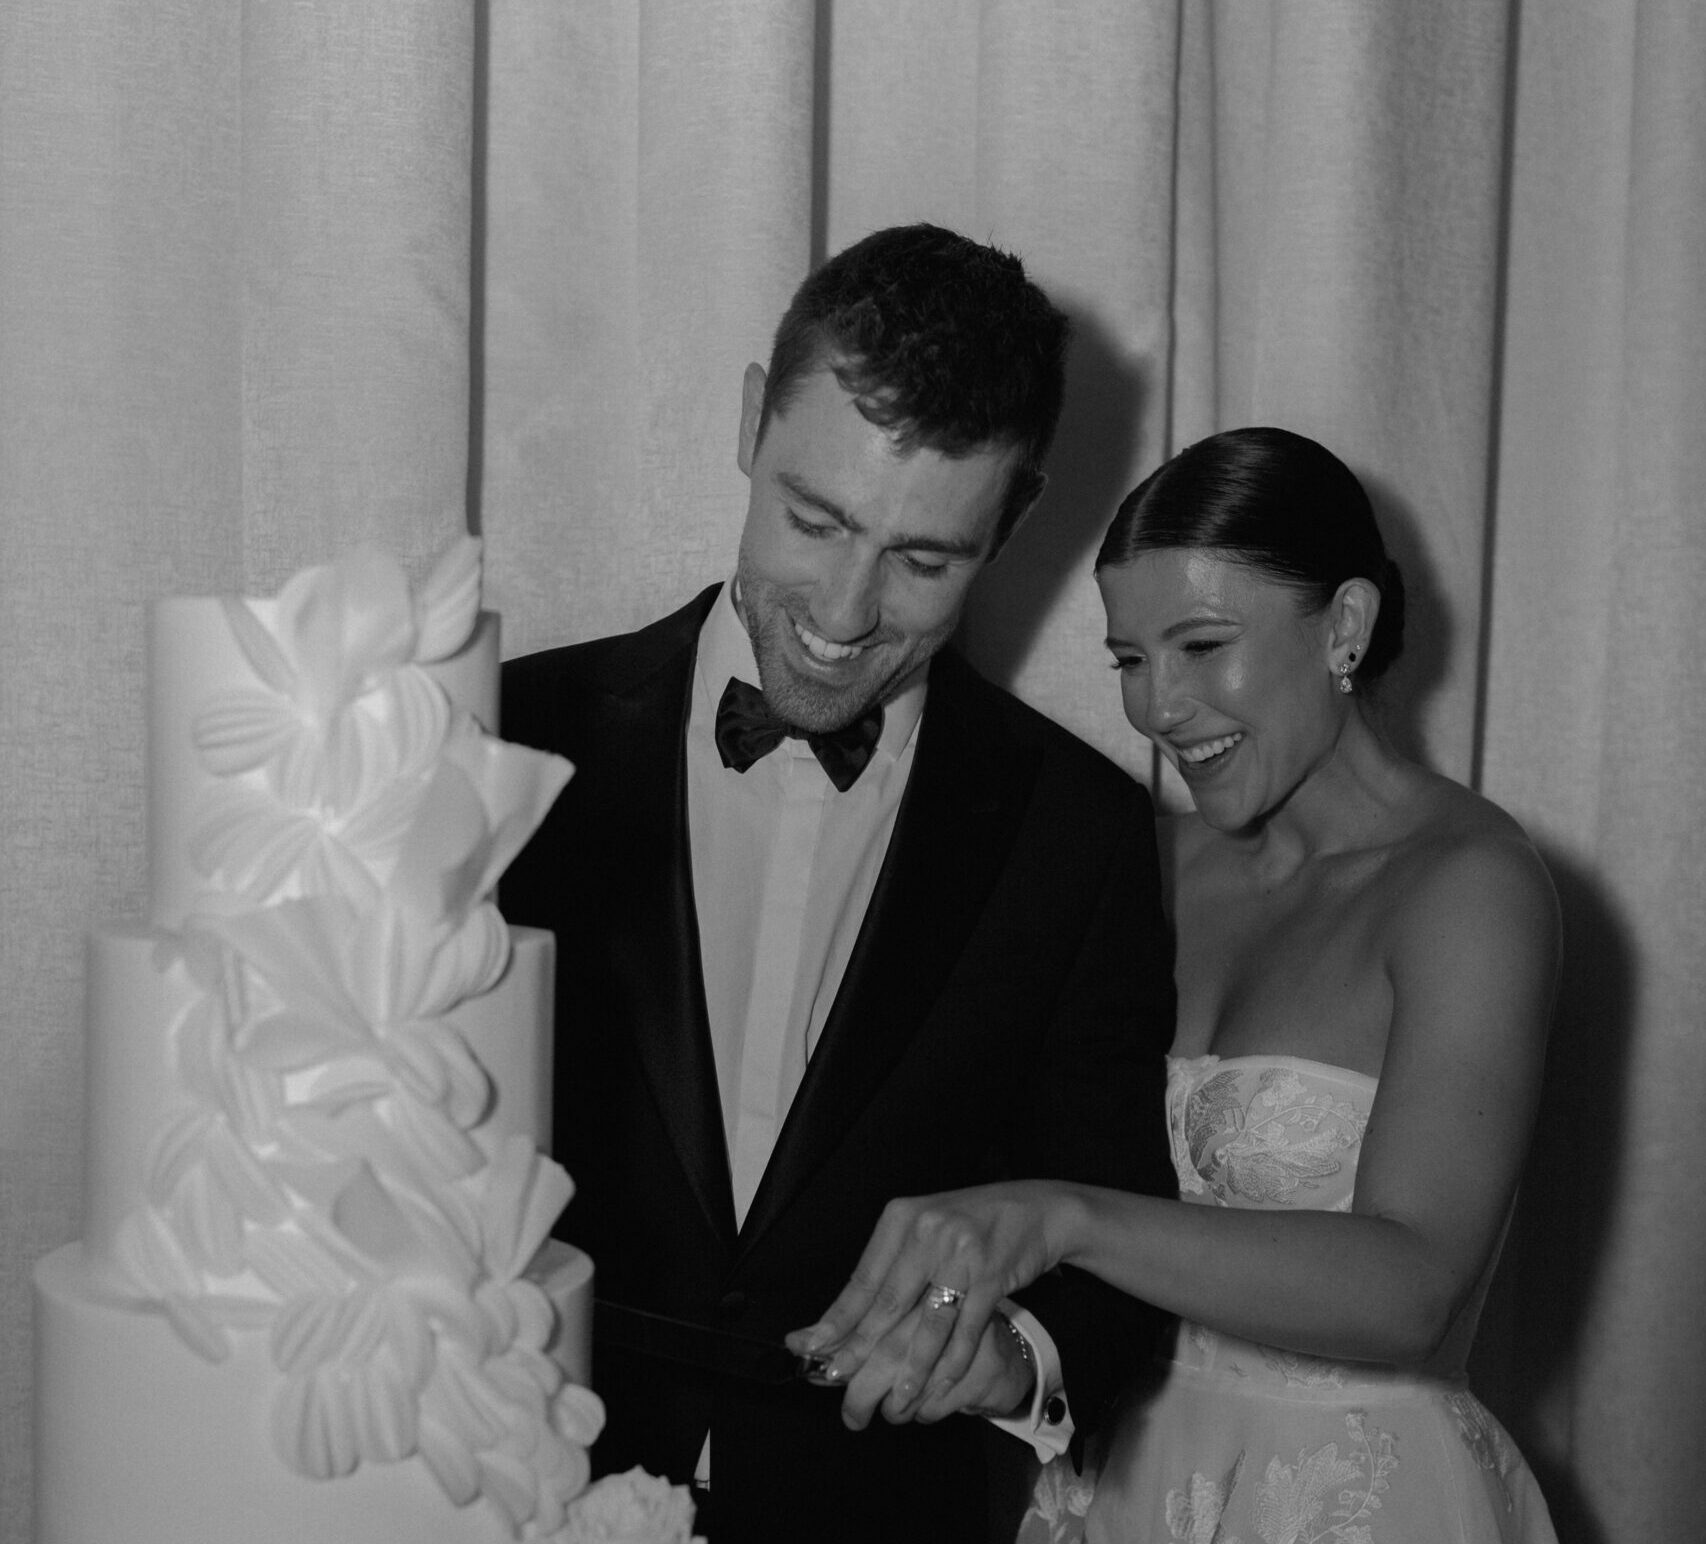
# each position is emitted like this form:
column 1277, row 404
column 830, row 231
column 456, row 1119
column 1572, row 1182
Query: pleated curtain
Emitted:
column 281, row 275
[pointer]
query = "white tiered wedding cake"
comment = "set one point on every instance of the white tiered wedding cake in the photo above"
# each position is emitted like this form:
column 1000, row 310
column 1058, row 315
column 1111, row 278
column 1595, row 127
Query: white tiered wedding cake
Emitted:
column 315, row 1298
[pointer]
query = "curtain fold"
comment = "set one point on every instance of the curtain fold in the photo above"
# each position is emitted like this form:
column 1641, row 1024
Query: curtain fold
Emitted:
column 1593, row 726
column 682, row 137
column 276, row 277
column 355, row 130
column 234, row 314
column 1358, row 176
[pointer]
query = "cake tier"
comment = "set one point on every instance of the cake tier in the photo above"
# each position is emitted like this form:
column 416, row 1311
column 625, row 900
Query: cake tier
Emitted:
column 194, row 659
column 136, row 1092
column 312, row 1300
column 140, row 1442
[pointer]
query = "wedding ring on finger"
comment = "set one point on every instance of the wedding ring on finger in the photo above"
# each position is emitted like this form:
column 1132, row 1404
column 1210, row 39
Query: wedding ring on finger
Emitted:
column 938, row 1298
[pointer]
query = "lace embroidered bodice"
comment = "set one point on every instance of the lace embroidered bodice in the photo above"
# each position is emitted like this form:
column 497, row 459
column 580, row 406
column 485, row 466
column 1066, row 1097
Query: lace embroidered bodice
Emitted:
column 1244, row 1443
column 1278, row 1133
column 1266, row 1131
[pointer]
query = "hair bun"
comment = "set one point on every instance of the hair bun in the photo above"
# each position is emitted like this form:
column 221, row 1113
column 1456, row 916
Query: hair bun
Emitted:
column 1277, row 502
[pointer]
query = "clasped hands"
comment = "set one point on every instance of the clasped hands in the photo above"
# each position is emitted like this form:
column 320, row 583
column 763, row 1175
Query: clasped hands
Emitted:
column 916, row 1333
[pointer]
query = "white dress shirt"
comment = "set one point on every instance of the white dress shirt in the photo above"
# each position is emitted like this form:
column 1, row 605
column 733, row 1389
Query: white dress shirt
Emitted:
column 791, row 864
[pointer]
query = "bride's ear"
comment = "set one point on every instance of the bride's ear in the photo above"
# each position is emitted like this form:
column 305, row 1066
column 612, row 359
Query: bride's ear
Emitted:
column 1354, row 611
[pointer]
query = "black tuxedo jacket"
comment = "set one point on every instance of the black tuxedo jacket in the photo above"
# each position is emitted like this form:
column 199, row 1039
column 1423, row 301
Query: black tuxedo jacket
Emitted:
column 1004, row 1014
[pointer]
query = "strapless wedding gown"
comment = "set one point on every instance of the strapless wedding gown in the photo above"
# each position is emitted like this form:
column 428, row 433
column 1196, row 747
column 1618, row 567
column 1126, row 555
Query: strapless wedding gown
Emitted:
column 1248, row 1444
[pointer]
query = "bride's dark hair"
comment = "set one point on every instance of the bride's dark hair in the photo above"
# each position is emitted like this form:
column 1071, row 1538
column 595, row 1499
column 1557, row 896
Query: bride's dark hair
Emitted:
column 1278, row 502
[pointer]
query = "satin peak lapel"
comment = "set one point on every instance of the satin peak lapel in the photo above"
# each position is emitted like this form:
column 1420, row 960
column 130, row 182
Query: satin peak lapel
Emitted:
column 654, row 936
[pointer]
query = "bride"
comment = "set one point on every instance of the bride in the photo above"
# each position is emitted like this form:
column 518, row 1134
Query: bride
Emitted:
column 1366, row 961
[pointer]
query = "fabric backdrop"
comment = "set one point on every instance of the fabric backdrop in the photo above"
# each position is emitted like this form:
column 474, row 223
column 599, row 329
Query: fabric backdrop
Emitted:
column 275, row 277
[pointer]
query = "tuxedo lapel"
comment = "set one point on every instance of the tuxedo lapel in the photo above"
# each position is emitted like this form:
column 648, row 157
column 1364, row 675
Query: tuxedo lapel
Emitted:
column 953, row 832
column 654, row 929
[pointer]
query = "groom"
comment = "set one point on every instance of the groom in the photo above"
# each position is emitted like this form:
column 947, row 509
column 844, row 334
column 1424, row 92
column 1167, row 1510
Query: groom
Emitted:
column 838, row 921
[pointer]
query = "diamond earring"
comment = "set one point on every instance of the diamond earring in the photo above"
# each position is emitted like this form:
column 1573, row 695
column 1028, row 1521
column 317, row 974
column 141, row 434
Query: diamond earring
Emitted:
column 1345, row 673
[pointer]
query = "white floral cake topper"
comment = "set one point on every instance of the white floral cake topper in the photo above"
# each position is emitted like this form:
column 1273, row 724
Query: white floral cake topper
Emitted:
column 329, row 1186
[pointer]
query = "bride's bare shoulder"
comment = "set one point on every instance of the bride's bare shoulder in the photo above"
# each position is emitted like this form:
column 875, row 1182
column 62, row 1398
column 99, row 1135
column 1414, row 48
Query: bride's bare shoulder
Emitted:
column 1467, row 858
column 1449, row 820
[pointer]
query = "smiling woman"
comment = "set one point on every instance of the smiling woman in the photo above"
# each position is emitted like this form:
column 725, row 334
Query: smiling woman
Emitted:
column 1221, row 669
column 1366, row 956
column 1279, row 504
column 1233, row 577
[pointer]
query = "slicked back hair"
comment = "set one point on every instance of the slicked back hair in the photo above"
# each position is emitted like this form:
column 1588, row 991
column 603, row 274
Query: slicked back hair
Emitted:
column 1277, row 502
column 942, row 342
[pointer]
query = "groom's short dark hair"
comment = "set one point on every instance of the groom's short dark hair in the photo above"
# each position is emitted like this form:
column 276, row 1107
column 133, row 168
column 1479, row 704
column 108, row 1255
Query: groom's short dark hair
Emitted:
column 943, row 342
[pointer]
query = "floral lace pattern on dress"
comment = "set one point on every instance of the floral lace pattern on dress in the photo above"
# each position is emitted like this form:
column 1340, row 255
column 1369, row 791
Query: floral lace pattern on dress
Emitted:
column 1246, row 1443
column 1193, row 1515
column 1059, row 1500
column 1291, row 1501
column 1301, row 1371
column 1280, row 1146
column 1484, row 1438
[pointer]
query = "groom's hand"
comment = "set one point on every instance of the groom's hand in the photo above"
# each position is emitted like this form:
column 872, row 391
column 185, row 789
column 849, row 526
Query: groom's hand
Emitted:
column 999, row 1381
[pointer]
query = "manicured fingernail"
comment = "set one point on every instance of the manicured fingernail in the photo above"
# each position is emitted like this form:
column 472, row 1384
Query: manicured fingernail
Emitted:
column 817, row 1337
column 823, row 1372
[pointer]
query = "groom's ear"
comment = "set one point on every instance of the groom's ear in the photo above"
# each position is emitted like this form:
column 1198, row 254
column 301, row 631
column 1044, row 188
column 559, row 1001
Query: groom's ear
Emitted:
column 751, row 415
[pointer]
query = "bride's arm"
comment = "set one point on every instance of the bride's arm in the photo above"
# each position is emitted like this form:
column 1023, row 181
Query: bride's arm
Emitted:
column 1472, row 964
column 1472, row 959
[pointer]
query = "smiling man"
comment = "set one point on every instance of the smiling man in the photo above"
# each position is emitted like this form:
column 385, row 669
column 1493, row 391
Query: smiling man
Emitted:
column 857, row 553
column 838, row 921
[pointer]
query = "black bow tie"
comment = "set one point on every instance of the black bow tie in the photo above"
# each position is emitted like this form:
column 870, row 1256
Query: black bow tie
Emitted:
column 747, row 730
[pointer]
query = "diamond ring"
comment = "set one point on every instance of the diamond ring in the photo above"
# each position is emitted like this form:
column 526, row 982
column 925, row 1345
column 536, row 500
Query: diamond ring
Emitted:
column 938, row 1298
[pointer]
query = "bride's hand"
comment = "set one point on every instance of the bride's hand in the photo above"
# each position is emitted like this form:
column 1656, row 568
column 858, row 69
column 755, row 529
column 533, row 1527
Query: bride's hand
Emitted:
column 952, row 1257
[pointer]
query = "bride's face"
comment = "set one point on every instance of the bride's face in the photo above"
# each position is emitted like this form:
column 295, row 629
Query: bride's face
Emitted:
column 1221, row 667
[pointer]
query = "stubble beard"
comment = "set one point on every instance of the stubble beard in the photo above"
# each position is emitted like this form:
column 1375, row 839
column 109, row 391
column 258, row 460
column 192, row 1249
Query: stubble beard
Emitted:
column 807, row 704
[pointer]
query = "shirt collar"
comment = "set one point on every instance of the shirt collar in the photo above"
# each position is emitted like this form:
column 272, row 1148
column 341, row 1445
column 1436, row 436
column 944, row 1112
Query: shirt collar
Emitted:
column 725, row 650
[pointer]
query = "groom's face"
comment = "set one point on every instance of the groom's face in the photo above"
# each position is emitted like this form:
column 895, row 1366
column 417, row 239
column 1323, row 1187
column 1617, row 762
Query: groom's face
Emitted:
column 856, row 558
